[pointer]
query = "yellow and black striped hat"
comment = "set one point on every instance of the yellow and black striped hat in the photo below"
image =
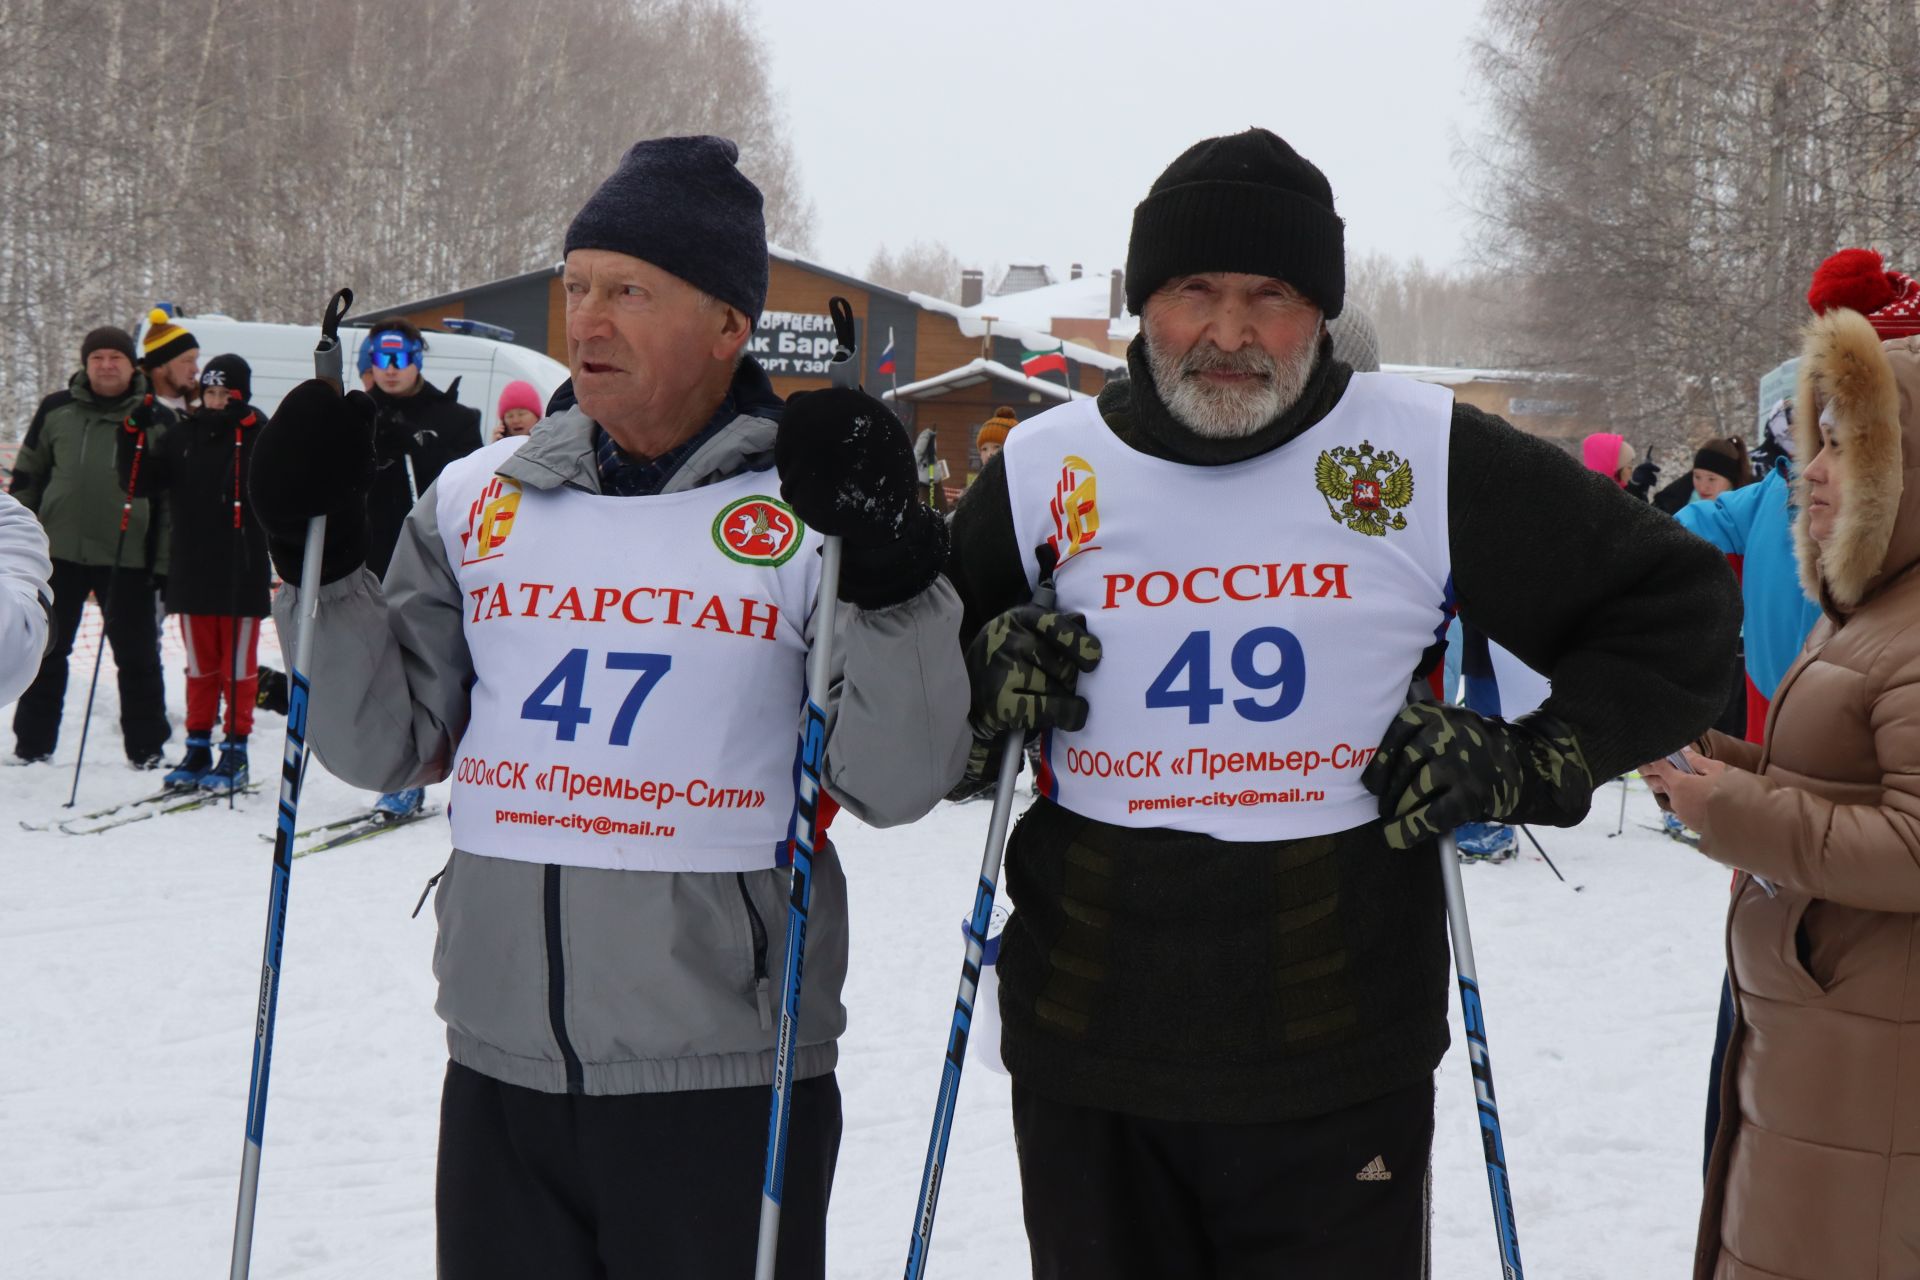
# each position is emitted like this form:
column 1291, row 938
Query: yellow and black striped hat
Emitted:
column 164, row 340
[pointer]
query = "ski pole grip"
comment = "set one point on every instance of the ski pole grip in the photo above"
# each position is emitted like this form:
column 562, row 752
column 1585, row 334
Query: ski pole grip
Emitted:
column 1043, row 593
column 327, row 363
column 841, row 372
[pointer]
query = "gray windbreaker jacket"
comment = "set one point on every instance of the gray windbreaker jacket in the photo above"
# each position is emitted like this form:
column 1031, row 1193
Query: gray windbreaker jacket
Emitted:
column 573, row 979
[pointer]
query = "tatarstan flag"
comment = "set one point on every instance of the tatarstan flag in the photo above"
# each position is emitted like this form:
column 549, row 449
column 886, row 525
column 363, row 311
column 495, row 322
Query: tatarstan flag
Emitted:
column 1035, row 363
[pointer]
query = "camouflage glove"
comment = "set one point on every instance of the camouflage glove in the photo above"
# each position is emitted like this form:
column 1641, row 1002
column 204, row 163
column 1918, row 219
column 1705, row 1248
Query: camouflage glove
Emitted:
column 1024, row 666
column 1439, row 767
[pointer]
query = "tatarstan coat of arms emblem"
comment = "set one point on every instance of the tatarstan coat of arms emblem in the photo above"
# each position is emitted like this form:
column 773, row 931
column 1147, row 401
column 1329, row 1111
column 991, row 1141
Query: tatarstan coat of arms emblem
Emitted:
column 1365, row 490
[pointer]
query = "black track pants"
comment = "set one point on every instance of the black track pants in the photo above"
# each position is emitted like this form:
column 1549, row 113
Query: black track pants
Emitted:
column 1333, row 1197
column 641, row 1186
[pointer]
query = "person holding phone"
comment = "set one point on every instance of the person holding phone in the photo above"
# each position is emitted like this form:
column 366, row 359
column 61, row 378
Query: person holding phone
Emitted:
column 1810, row 1170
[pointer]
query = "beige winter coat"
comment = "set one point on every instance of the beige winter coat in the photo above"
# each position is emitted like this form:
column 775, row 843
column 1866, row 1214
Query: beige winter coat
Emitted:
column 1815, row 1174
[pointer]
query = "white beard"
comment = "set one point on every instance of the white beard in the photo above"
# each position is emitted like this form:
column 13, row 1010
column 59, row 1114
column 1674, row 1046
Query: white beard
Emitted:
column 1227, row 413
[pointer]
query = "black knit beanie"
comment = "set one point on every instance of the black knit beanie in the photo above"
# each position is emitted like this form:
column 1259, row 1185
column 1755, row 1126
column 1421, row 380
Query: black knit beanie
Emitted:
column 106, row 338
column 1718, row 456
column 231, row 372
column 683, row 205
column 1247, row 203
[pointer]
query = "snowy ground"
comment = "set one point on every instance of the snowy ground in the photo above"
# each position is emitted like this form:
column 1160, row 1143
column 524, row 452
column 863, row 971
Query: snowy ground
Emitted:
column 129, row 960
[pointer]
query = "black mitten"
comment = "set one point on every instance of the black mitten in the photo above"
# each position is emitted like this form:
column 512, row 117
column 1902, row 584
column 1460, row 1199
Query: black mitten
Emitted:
column 846, row 469
column 315, row 458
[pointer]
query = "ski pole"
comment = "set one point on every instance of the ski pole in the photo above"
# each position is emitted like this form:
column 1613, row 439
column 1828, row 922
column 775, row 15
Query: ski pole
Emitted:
column 106, row 606
column 961, row 1029
column 1625, row 784
column 238, row 548
column 805, row 838
column 326, row 366
column 1542, row 850
column 1506, row 1229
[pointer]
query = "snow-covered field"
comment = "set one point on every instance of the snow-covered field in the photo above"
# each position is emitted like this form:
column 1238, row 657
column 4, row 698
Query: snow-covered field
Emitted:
column 129, row 963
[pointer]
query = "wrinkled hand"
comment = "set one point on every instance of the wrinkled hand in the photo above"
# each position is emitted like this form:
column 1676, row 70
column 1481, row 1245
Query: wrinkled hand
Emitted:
column 1684, row 794
column 1439, row 767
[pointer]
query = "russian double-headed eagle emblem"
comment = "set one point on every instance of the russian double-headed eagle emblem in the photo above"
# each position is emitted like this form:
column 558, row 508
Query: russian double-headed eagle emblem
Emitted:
column 1365, row 490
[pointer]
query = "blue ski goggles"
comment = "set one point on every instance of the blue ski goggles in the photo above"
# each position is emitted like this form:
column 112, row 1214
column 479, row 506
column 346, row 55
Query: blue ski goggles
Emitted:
column 395, row 351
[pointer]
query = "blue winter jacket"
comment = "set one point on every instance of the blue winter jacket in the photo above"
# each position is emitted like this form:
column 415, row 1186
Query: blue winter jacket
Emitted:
column 1756, row 521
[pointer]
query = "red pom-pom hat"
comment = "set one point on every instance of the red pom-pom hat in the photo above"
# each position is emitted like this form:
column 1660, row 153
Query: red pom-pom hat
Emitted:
column 1858, row 280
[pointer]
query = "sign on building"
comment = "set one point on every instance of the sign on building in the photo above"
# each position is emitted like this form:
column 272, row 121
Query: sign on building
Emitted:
column 793, row 343
column 1517, row 406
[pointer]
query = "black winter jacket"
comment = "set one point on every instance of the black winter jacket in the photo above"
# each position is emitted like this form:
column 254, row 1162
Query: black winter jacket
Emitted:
column 200, row 465
column 429, row 429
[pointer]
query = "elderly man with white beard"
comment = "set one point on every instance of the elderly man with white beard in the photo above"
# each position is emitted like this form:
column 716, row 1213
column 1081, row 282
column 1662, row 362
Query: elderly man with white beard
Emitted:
column 1224, row 984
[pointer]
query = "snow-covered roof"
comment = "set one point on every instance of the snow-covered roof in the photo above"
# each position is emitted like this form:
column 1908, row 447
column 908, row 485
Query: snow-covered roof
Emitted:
column 1016, row 315
column 1084, row 299
column 1450, row 376
column 975, row 372
column 1032, row 337
column 1024, row 277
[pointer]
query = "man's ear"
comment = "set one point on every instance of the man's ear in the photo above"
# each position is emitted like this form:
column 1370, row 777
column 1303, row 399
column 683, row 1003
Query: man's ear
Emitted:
column 735, row 329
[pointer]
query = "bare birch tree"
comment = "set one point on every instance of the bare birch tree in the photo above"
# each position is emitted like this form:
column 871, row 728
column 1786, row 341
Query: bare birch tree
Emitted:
column 1662, row 179
column 249, row 158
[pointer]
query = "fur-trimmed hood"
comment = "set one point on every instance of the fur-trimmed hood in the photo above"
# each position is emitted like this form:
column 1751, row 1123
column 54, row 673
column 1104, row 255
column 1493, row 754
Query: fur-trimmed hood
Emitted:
column 1873, row 390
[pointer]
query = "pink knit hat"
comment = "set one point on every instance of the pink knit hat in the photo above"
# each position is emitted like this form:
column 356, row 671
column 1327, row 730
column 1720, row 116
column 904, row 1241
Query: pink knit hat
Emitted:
column 521, row 395
column 1607, row 453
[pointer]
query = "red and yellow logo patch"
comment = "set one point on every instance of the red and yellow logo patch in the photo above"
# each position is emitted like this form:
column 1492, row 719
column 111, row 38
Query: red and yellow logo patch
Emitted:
column 758, row 530
column 1076, row 517
column 490, row 521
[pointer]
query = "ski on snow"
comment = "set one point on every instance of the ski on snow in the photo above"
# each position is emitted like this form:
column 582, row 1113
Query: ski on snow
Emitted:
column 176, row 800
column 354, row 828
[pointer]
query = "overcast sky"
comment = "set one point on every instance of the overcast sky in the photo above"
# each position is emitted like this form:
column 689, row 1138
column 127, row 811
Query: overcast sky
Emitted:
column 1027, row 132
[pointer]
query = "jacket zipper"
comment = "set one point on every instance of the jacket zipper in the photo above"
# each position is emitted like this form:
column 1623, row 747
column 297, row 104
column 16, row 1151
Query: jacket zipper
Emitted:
column 557, row 985
column 762, row 984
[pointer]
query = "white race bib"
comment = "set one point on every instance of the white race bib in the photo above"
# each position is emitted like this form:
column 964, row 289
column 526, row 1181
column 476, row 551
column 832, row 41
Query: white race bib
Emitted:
column 1260, row 622
column 639, row 670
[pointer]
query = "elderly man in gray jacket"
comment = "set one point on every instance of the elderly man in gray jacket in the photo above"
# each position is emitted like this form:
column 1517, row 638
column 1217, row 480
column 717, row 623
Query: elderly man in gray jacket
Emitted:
column 599, row 632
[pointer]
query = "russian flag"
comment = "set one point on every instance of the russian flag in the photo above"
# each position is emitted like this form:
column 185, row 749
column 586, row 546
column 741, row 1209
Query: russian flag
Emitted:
column 886, row 357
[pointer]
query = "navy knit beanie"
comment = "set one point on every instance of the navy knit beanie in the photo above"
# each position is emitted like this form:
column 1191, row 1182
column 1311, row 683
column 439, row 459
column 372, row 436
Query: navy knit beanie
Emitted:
column 683, row 205
column 1248, row 203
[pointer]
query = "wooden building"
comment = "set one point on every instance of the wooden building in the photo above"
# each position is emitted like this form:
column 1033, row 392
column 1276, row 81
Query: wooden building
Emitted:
column 951, row 367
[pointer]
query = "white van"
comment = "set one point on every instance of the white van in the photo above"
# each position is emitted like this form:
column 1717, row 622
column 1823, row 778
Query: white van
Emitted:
column 281, row 356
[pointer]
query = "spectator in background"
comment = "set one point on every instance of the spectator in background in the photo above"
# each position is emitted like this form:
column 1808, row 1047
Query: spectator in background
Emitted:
column 418, row 430
column 993, row 434
column 65, row 475
column 218, row 587
column 1608, row 453
column 1811, row 1171
column 1720, row 465
column 519, row 410
column 171, row 357
column 26, row 598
